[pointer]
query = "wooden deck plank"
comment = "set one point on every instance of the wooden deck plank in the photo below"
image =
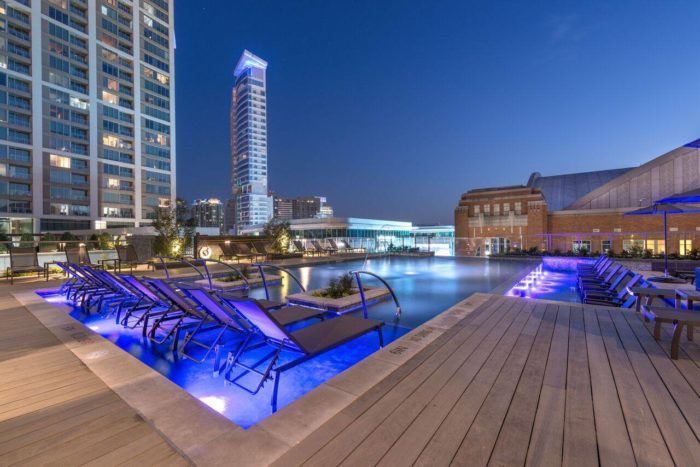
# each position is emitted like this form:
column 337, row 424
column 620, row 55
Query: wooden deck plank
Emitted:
column 476, row 446
column 580, row 448
column 614, row 446
column 413, row 423
column 646, row 439
column 547, row 438
column 513, row 439
column 685, row 364
column 52, row 407
column 322, row 436
column 682, row 442
column 682, row 393
column 343, row 444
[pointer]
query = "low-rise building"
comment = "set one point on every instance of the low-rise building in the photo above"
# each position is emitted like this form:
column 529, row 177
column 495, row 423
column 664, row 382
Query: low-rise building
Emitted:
column 582, row 210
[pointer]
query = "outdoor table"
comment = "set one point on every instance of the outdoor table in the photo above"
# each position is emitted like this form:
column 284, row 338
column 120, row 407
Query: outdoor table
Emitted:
column 652, row 293
column 690, row 296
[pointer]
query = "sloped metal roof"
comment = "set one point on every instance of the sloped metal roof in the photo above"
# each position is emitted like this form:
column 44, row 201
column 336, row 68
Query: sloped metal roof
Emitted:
column 561, row 191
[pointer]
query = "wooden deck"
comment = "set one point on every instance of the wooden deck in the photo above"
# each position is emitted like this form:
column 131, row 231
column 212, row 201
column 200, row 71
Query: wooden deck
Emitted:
column 522, row 382
column 53, row 410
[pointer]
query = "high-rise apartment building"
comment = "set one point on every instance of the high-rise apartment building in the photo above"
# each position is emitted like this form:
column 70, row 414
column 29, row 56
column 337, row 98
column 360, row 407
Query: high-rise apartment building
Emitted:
column 208, row 213
column 87, row 113
column 253, row 206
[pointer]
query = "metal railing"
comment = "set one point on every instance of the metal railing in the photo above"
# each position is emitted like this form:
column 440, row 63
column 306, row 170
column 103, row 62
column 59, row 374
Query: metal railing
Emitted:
column 262, row 266
column 362, row 291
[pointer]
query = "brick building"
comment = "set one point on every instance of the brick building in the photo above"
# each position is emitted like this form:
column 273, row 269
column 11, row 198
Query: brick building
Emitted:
column 583, row 210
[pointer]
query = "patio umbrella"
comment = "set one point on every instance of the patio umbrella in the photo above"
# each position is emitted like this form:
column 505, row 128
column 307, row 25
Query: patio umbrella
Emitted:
column 665, row 209
column 691, row 196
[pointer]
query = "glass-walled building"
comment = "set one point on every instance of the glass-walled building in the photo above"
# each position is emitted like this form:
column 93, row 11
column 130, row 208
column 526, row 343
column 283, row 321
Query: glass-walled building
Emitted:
column 87, row 134
column 252, row 203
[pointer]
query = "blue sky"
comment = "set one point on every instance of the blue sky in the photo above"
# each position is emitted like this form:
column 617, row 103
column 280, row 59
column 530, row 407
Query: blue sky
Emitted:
column 392, row 109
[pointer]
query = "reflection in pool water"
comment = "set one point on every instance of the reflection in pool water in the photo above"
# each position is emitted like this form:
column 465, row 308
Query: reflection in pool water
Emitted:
column 546, row 283
column 424, row 286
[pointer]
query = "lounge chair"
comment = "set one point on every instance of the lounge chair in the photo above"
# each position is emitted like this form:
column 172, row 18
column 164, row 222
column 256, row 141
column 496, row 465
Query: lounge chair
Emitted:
column 24, row 259
column 609, row 274
column 606, row 287
column 622, row 298
column 262, row 249
column 309, row 342
column 299, row 246
column 234, row 251
column 336, row 247
column 219, row 310
column 128, row 256
column 181, row 311
column 321, row 248
column 348, row 247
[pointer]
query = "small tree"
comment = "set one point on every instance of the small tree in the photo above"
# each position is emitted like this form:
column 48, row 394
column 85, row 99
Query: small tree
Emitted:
column 279, row 233
column 174, row 233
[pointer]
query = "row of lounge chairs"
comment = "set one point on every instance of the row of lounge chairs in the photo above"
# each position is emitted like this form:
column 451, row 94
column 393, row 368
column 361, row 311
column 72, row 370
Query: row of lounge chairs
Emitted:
column 256, row 251
column 608, row 283
column 26, row 260
column 182, row 314
column 314, row 247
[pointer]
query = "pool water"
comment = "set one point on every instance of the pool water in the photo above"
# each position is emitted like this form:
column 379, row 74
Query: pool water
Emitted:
column 548, row 283
column 425, row 287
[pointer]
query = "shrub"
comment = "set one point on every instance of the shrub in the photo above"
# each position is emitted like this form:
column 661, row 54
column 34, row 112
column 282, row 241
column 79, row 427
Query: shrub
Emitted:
column 338, row 287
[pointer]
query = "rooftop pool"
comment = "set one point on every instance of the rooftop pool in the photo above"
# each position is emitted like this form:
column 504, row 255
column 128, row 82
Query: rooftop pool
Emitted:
column 425, row 287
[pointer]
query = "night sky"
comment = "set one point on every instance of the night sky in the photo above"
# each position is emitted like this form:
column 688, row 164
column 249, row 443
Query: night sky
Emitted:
column 392, row 109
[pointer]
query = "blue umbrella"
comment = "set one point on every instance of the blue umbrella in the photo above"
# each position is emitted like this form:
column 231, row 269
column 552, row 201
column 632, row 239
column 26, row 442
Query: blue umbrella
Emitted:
column 692, row 196
column 665, row 209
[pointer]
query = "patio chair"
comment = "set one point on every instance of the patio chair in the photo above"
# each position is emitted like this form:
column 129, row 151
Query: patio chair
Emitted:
column 584, row 281
column 233, row 251
column 608, row 286
column 24, row 259
column 181, row 311
column 79, row 254
column 336, row 247
column 622, row 298
column 219, row 309
column 309, row 342
column 128, row 256
column 299, row 246
column 321, row 248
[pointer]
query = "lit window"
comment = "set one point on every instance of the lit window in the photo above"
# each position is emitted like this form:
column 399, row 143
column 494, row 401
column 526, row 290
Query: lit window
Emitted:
column 113, row 183
column 109, row 140
column 59, row 161
column 686, row 247
column 110, row 98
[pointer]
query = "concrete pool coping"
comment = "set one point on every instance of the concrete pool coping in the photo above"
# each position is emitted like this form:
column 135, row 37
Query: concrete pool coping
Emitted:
column 201, row 434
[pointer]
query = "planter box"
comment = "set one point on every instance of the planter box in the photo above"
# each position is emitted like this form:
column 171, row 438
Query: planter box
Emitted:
column 339, row 305
column 254, row 281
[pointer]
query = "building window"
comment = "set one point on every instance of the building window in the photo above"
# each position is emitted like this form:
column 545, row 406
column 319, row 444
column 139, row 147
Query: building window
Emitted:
column 496, row 209
column 59, row 161
column 581, row 246
column 487, row 209
column 685, row 247
column 477, row 210
column 518, row 207
column 633, row 246
column 657, row 247
column 605, row 246
column 506, row 208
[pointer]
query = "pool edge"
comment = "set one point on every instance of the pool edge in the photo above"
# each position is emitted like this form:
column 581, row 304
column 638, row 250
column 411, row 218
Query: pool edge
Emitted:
column 206, row 437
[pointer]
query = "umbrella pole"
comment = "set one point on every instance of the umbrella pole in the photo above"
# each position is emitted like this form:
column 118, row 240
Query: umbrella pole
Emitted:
column 665, row 247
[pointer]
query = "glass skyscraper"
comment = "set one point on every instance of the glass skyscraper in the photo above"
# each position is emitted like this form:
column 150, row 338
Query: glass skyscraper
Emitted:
column 252, row 203
column 87, row 114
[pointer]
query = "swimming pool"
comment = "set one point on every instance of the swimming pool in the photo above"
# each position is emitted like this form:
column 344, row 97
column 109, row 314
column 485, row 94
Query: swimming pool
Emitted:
column 424, row 286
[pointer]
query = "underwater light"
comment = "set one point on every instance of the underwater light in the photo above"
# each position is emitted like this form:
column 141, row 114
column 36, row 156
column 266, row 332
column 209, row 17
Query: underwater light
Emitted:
column 215, row 402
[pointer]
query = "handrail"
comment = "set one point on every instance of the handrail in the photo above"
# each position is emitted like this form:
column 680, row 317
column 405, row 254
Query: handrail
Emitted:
column 260, row 267
column 240, row 273
column 181, row 260
column 386, row 284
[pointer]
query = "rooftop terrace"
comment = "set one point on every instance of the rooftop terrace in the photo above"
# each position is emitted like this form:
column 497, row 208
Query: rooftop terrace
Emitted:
column 493, row 380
